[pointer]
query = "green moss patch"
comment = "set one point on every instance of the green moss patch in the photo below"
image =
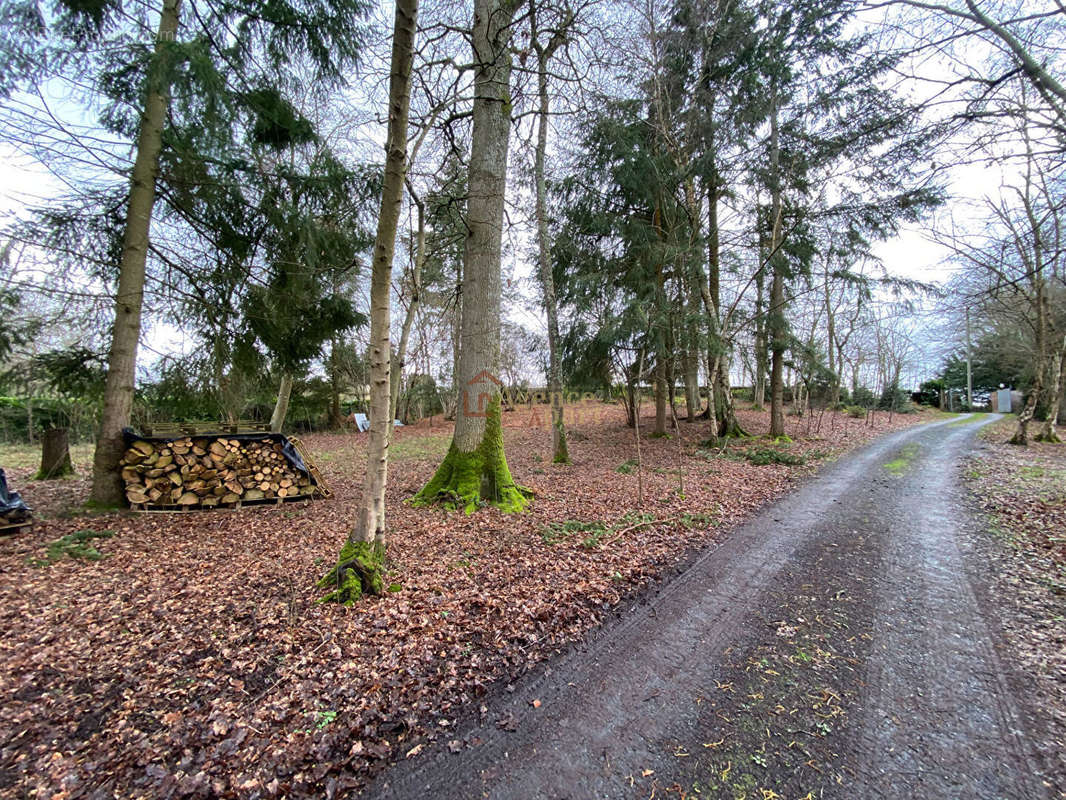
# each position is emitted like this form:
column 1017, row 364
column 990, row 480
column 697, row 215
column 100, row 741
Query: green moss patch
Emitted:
column 482, row 477
column 903, row 460
column 763, row 456
column 358, row 571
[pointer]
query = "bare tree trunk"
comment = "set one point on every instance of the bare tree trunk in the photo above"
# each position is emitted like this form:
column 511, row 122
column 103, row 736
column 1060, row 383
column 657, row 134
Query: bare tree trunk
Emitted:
column 55, row 454
column 660, row 395
column 457, row 320
column 560, row 454
column 1021, row 435
column 359, row 565
column 692, row 339
column 830, row 321
column 1054, row 400
column 336, row 422
column 631, row 402
column 692, row 378
column 400, row 356
column 475, row 469
column 107, row 487
column 712, row 378
column 759, row 389
column 776, row 317
column 281, row 407
column 636, row 432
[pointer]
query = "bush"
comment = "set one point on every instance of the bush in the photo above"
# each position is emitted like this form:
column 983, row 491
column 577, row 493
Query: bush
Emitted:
column 763, row 456
column 928, row 393
column 894, row 399
column 864, row 397
column 856, row 412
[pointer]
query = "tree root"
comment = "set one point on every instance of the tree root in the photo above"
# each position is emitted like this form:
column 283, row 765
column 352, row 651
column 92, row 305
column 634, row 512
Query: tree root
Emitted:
column 358, row 571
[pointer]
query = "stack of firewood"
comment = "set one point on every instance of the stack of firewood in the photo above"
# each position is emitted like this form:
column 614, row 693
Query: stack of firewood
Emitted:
column 210, row 472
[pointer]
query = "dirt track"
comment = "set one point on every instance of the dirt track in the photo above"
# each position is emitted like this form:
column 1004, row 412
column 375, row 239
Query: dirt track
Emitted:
column 831, row 646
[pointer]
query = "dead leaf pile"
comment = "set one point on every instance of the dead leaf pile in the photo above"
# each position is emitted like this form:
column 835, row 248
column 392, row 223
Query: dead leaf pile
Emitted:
column 194, row 661
column 1022, row 491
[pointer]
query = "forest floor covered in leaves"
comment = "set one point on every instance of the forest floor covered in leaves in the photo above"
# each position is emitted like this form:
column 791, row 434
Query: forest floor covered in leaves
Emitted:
column 193, row 660
column 1022, row 492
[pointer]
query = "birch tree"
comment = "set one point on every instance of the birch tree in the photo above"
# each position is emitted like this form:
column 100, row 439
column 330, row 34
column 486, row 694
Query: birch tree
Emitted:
column 359, row 564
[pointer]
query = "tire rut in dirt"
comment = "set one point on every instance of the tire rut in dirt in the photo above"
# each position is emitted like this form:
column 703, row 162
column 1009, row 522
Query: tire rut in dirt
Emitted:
column 940, row 717
column 798, row 657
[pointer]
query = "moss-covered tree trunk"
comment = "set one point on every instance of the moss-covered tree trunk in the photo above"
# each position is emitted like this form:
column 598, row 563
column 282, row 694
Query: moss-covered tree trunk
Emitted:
column 107, row 486
column 475, row 470
column 359, row 566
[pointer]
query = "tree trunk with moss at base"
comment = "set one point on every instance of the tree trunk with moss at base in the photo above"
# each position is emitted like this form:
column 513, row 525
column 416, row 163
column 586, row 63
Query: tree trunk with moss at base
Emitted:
column 467, row 480
column 722, row 408
column 475, row 470
column 107, row 488
column 361, row 561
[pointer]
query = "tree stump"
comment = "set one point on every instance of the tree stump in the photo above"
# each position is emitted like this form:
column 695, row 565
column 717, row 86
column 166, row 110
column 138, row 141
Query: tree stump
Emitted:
column 55, row 454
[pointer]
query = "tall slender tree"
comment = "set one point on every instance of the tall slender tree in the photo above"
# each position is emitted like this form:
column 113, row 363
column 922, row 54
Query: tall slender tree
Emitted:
column 129, row 298
column 359, row 564
column 545, row 50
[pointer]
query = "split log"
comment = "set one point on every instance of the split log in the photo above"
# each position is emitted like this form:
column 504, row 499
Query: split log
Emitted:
column 204, row 472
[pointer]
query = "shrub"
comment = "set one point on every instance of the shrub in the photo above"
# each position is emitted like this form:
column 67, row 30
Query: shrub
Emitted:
column 763, row 456
column 864, row 397
column 856, row 412
column 894, row 399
